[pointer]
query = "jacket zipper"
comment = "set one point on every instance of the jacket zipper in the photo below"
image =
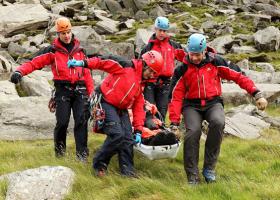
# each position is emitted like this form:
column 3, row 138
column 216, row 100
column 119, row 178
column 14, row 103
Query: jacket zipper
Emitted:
column 204, row 87
column 56, row 69
column 127, row 93
column 198, row 82
column 165, row 61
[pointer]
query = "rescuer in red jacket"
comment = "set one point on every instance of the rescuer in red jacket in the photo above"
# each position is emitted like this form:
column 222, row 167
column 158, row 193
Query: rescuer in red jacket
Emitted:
column 157, row 89
column 121, row 90
column 197, row 95
column 72, row 86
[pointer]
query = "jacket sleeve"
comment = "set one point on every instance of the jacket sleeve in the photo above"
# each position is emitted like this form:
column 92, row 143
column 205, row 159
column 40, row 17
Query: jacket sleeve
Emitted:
column 180, row 54
column 108, row 65
column 243, row 81
column 138, row 112
column 44, row 57
column 89, row 82
column 176, row 104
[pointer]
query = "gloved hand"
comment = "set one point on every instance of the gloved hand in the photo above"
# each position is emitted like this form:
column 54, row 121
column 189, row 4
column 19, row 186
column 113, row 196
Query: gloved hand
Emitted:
column 261, row 102
column 138, row 138
column 75, row 63
column 174, row 127
column 16, row 77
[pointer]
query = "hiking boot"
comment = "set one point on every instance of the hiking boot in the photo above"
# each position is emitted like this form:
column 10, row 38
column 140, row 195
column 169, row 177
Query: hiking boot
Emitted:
column 59, row 151
column 193, row 179
column 101, row 172
column 100, row 169
column 82, row 157
column 130, row 174
column 209, row 175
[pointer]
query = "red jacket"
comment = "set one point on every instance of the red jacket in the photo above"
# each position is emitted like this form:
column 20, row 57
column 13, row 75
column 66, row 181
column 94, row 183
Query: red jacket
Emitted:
column 169, row 51
column 204, row 82
column 122, row 87
column 57, row 56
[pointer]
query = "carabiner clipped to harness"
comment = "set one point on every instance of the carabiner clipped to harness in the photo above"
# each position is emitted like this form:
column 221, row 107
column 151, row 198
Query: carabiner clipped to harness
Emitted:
column 97, row 114
column 52, row 104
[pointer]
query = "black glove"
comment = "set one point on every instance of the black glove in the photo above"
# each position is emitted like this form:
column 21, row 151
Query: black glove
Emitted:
column 16, row 77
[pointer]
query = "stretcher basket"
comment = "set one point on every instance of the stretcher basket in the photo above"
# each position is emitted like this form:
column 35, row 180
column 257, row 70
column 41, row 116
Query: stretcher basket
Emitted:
column 158, row 152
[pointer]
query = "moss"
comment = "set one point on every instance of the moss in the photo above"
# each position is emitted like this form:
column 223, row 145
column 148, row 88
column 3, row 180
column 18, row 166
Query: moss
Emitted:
column 275, row 59
column 85, row 23
column 236, row 57
column 20, row 91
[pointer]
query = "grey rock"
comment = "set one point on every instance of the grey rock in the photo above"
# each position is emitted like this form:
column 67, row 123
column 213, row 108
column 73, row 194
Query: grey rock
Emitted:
column 226, row 12
column 15, row 49
column 82, row 18
column 113, row 6
column 37, row 84
column 21, row 118
column 141, row 15
column 140, row 4
column 130, row 5
column 67, row 8
column 220, row 42
column 243, row 49
column 142, row 38
column 259, row 77
column 86, row 34
column 7, row 90
column 243, row 124
column 244, row 64
column 244, row 37
column 46, row 182
column 276, row 78
column 122, row 49
column 5, row 65
column 266, row 67
column 267, row 9
column 232, row 93
column 267, row 39
column 156, row 12
column 107, row 25
column 36, row 40
column 27, row 17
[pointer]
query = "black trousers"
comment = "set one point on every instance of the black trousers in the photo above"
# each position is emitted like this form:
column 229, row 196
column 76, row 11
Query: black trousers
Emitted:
column 75, row 98
column 193, row 117
column 158, row 94
column 119, row 140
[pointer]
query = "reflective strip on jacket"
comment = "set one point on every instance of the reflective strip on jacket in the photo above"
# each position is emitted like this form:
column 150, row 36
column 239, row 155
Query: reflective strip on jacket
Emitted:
column 57, row 56
column 204, row 83
column 122, row 87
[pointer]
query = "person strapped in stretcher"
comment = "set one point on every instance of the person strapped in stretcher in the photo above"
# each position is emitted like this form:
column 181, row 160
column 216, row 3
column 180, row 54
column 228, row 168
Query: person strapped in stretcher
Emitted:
column 155, row 133
column 157, row 141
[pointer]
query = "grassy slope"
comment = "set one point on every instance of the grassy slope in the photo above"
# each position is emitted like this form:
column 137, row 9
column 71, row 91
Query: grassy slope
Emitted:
column 246, row 170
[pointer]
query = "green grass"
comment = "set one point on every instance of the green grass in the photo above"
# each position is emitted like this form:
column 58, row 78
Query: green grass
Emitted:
column 246, row 170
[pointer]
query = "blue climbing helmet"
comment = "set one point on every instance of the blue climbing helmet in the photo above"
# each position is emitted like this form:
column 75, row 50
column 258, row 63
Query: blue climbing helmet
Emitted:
column 162, row 23
column 196, row 43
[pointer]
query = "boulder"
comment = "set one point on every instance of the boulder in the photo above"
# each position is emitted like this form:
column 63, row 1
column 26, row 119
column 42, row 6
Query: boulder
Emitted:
column 241, row 123
column 37, row 83
column 233, row 94
column 267, row 39
column 46, row 182
column 28, row 17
